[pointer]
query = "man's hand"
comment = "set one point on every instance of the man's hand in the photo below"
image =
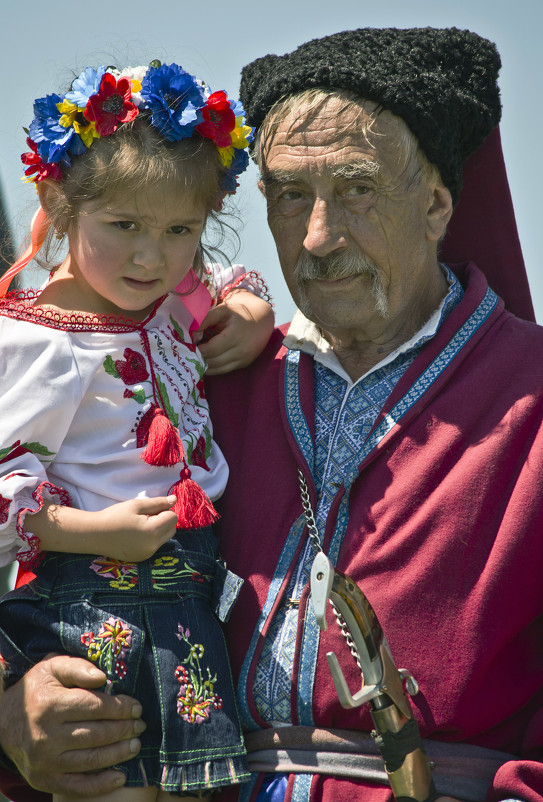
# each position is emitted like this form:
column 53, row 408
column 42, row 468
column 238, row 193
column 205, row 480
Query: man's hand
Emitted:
column 55, row 727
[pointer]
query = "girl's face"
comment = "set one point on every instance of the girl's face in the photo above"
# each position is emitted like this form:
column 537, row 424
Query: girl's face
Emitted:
column 127, row 253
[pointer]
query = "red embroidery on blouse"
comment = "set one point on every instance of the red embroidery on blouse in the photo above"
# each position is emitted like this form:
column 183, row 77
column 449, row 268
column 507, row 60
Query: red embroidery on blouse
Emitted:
column 19, row 305
column 4, row 509
column 34, row 555
column 134, row 369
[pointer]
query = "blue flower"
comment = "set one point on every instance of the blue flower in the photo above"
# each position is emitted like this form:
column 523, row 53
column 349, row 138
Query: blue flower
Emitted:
column 238, row 165
column 85, row 85
column 54, row 142
column 174, row 98
column 237, row 108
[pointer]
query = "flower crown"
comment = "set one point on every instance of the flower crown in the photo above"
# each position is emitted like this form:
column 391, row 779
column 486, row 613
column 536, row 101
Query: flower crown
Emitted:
column 101, row 100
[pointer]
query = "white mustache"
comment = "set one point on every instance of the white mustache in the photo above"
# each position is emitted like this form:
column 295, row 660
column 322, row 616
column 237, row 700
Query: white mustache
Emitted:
column 334, row 266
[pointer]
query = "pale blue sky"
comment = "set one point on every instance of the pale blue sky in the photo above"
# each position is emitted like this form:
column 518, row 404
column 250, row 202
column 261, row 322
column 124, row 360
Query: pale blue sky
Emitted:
column 42, row 44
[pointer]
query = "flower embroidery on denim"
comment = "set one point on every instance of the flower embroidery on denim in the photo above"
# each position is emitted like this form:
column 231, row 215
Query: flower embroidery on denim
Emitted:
column 164, row 571
column 109, row 647
column 196, row 697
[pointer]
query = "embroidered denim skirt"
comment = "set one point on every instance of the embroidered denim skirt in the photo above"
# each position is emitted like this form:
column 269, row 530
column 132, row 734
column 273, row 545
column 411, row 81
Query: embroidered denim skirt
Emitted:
column 152, row 628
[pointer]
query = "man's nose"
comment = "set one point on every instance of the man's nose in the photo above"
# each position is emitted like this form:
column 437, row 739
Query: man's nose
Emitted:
column 148, row 252
column 326, row 229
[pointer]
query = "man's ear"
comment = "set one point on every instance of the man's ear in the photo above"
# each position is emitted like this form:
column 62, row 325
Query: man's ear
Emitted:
column 51, row 195
column 439, row 212
column 260, row 185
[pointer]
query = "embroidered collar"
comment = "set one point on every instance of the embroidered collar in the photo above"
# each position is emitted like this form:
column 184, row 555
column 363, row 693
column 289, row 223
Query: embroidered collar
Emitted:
column 19, row 305
column 303, row 335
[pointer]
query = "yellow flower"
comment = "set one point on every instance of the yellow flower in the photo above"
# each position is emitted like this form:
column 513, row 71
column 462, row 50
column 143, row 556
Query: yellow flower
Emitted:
column 240, row 133
column 68, row 111
column 88, row 133
column 226, row 154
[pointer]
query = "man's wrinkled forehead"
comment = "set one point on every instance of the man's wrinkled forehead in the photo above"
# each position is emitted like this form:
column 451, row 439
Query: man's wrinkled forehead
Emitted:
column 335, row 123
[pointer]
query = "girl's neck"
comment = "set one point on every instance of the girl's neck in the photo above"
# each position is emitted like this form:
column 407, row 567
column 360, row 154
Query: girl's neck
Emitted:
column 63, row 294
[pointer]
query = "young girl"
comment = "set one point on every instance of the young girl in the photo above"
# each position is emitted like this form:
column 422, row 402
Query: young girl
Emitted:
column 109, row 469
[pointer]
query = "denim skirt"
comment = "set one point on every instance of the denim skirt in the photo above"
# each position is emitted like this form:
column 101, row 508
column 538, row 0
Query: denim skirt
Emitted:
column 152, row 627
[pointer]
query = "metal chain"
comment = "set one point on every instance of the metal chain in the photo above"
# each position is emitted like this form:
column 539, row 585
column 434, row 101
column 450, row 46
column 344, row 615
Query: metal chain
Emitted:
column 316, row 541
column 347, row 635
column 308, row 512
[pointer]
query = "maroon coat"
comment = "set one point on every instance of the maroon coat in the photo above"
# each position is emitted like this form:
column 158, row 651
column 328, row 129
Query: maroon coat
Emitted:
column 445, row 536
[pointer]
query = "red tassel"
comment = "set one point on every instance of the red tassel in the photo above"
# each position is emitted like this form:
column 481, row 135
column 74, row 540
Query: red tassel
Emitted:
column 193, row 507
column 164, row 446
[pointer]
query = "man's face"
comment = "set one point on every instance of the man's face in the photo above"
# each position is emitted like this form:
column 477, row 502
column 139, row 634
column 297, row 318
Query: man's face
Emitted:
column 351, row 230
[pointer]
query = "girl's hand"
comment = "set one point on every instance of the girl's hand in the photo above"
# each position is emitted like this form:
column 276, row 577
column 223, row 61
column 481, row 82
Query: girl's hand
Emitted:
column 238, row 330
column 133, row 530
column 130, row 531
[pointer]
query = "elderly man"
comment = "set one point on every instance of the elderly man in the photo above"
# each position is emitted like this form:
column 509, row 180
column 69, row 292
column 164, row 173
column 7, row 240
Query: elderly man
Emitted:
column 397, row 423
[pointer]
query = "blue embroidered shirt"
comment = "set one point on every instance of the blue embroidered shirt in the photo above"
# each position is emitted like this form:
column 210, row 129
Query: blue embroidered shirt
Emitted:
column 345, row 411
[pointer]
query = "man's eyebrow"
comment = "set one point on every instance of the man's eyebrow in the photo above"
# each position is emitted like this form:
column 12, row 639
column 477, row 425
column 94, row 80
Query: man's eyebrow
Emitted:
column 363, row 168
column 271, row 177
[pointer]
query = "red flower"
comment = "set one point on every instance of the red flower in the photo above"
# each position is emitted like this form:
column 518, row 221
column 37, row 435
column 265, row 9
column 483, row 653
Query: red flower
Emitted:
column 219, row 120
column 187, row 343
column 38, row 166
column 121, row 669
column 111, row 105
column 142, row 430
column 4, row 508
column 181, row 674
column 133, row 369
column 87, row 638
column 199, row 454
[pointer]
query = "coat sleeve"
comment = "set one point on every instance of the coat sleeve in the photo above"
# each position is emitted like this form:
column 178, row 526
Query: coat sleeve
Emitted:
column 40, row 390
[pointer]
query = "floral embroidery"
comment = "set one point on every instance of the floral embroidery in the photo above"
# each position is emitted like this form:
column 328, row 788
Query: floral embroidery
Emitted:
column 4, row 509
column 201, row 451
column 109, row 647
column 18, row 448
column 131, row 370
column 177, row 334
column 196, row 697
column 134, row 369
column 164, row 570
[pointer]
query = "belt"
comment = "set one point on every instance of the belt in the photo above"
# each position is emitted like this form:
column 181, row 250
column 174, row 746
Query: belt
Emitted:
column 462, row 770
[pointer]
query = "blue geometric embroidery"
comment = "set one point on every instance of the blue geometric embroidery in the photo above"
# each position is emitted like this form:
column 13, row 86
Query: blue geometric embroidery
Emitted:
column 285, row 560
column 341, row 445
column 296, row 417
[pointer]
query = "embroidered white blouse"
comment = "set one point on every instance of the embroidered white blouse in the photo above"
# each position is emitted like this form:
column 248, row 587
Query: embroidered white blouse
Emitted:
column 74, row 393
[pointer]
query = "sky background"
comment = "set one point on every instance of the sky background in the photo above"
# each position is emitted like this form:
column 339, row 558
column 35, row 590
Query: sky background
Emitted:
column 43, row 44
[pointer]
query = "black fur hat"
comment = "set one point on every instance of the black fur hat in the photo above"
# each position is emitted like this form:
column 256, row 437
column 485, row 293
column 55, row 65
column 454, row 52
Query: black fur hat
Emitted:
column 441, row 82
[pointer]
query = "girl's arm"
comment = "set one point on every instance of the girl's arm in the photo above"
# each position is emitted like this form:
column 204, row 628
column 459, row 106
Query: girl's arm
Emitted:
column 235, row 331
column 130, row 531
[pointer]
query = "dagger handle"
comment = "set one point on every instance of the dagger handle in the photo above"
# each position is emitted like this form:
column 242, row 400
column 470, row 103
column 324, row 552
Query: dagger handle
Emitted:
column 399, row 742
